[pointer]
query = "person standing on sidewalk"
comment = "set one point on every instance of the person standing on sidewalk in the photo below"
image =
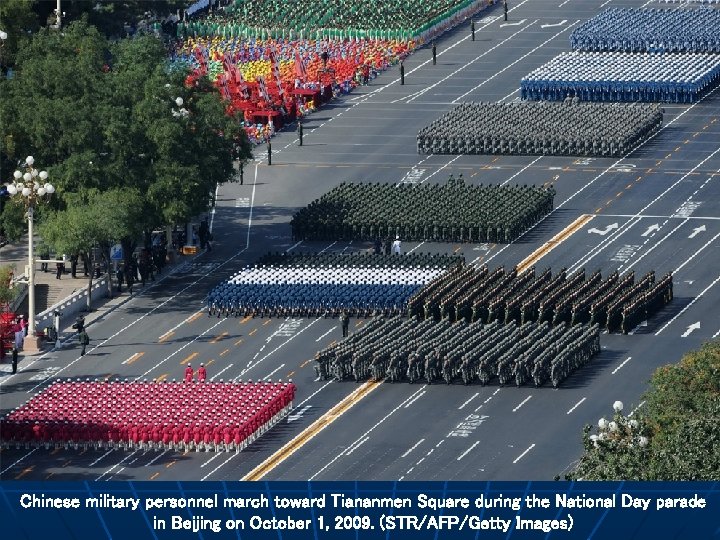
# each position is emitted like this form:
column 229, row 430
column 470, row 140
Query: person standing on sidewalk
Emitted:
column 14, row 360
column 84, row 341
column 434, row 53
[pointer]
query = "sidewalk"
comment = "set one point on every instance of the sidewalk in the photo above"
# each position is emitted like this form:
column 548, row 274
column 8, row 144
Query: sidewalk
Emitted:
column 67, row 288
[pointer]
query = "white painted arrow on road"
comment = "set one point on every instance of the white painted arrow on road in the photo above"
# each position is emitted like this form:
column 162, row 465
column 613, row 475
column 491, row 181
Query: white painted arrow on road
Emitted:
column 551, row 25
column 299, row 414
column 650, row 229
column 697, row 230
column 513, row 24
column 691, row 329
column 604, row 231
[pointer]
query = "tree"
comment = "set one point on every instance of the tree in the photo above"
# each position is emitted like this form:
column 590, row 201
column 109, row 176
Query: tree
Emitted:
column 676, row 435
column 103, row 117
column 6, row 292
column 18, row 21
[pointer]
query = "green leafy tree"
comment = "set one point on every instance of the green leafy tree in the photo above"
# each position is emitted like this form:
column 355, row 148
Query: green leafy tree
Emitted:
column 102, row 117
column 18, row 21
column 675, row 436
column 6, row 292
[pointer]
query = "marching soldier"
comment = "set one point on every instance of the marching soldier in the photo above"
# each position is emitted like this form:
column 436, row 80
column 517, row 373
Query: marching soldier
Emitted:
column 472, row 29
column 269, row 151
column 505, row 8
column 434, row 53
column 402, row 72
column 300, row 132
column 345, row 320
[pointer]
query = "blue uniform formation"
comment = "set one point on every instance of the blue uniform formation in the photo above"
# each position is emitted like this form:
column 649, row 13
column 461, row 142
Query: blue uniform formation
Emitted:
column 618, row 303
column 452, row 212
column 531, row 128
column 397, row 350
column 618, row 76
column 651, row 30
column 326, row 285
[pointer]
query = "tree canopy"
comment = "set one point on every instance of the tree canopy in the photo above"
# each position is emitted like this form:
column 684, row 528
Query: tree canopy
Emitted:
column 675, row 436
column 103, row 117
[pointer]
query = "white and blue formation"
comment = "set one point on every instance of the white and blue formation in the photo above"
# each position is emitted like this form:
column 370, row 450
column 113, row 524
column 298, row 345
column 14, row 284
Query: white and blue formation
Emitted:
column 620, row 76
column 282, row 285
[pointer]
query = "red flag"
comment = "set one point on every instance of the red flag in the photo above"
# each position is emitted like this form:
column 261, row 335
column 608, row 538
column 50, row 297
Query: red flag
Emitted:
column 300, row 71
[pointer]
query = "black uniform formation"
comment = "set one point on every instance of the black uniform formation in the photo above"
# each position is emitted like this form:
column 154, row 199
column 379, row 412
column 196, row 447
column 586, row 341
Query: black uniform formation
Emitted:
column 570, row 128
column 652, row 30
column 413, row 350
column 473, row 294
column 454, row 212
column 283, row 285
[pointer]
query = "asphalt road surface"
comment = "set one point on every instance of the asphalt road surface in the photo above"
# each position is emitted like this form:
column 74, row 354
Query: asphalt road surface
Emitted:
column 656, row 209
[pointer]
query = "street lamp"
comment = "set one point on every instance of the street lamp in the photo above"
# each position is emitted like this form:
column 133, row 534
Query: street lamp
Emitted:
column 32, row 186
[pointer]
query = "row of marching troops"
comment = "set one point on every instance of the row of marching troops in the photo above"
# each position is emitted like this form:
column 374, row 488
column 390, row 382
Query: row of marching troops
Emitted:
column 326, row 284
column 451, row 212
column 541, row 128
column 472, row 294
column 416, row 350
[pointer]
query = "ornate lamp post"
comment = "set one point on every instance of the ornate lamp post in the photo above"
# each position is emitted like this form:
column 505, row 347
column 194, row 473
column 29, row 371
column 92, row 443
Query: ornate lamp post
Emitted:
column 29, row 186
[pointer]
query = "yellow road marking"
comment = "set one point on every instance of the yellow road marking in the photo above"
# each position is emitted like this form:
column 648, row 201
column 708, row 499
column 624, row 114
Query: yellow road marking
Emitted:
column 290, row 374
column 209, row 362
column 238, row 342
column 224, row 352
column 166, row 336
column 305, row 363
column 252, row 332
column 134, row 358
column 457, row 249
column 170, row 464
column 189, row 357
column 162, row 377
column 24, row 472
column 154, row 476
column 267, row 322
column 246, row 319
column 49, row 475
column 618, row 194
column 551, row 244
column 359, row 323
column 628, row 186
column 218, row 338
column 307, row 434
column 678, row 148
column 195, row 317
column 68, row 462
column 333, row 342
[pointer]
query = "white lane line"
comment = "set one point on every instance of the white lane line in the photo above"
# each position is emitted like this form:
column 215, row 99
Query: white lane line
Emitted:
column 516, row 61
column 101, row 457
column 466, row 452
column 168, row 357
column 252, row 204
column 533, row 162
column 388, row 415
column 413, row 447
column 161, row 454
column 415, row 399
column 356, row 446
column 331, row 245
column 288, row 250
column 716, row 334
column 576, row 405
column 413, row 249
column 523, row 402
column 603, row 173
column 116, row 465
column 488, row 399
column 467, row 64
column 655, row 245
column 621, row 365
column 273, row 372
column 220, row 372
column 468, row 401
column 523, row 454
column 440, row 169
column 218, row 467
column 565, row 2
column 636, row 409
column 217, row 455
column 326, row 333
column 696, row 253
column 698, row 297
column 252, row 365
column 313, row 395
column 6, row 469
